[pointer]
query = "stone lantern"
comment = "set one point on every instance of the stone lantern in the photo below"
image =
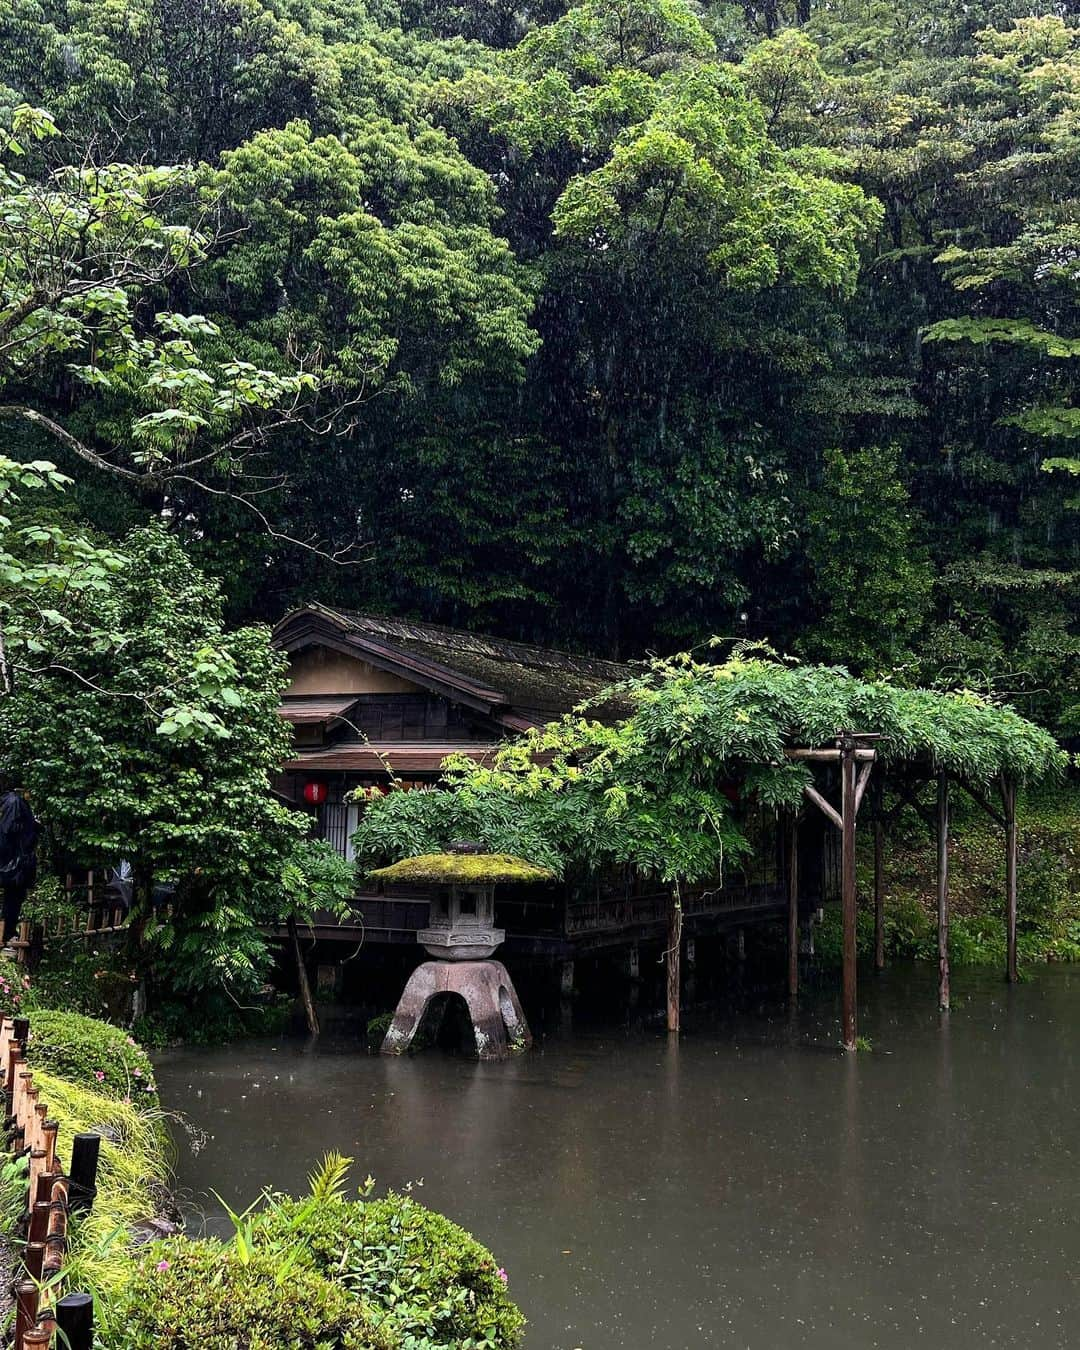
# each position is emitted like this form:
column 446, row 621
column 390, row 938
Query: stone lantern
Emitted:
column 462, row 937
column 461, row 924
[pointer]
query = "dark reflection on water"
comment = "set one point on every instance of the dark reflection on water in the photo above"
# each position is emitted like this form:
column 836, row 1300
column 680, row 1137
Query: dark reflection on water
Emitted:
column 748, row 1188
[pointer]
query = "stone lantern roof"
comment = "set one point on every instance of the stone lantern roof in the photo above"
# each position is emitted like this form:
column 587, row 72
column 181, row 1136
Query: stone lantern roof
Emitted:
column 463, row 869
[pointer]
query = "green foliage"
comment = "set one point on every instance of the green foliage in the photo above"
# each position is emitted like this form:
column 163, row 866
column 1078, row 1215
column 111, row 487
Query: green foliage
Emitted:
column 641, row 289
column 15, row 996
column 316, row 877
column 323, row 1272
column 872, row 580
column 149, row 733
column 213, row 1021
column 132, row 1171
column 14, row 1180
column 650, row 791
column 427, row 1283
column 1048, row 901
column 92, row 1054
column 186, row 1292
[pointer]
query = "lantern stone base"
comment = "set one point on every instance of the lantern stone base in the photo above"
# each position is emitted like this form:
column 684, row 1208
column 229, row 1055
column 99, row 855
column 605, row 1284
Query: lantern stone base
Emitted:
column 498, row 1023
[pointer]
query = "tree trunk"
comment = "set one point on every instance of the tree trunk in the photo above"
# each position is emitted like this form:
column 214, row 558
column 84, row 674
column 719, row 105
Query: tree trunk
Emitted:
column 673, row 960
column 302, row 975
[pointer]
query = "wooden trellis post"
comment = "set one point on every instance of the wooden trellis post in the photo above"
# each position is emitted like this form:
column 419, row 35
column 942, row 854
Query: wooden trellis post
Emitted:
column 1008, row 802
column 856, row 761
column 943, row 889
column 793, row 906
column 879, row 875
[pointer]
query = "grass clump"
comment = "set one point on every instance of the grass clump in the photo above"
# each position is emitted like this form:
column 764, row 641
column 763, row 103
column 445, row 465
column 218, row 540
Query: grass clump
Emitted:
column 91, row 1054
column 131, row 1173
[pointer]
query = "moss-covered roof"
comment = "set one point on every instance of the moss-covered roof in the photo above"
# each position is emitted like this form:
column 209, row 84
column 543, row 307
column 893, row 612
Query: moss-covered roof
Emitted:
column 462, row 869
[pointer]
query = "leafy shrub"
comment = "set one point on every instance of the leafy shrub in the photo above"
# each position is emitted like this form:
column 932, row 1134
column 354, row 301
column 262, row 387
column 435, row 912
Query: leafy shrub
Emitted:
column 72, row 977
column 14, row 989
column 203, row 1293
column 910, row 929
column 92, row 1054
column 434, row 1285
column 212, row 1021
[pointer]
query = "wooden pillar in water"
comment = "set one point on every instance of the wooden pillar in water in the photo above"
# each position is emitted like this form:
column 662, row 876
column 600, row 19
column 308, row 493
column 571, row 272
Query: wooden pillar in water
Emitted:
column 847, row 893
column 793, row 906
column 302, row 977
column 879, row 876
column 943, row 889
column 672, row 960
column 1008, row 801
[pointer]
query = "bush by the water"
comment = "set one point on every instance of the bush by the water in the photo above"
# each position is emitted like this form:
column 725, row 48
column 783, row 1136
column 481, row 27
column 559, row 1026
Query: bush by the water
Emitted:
column 92, row 1054
column 431, row 1284
column 204, row 1293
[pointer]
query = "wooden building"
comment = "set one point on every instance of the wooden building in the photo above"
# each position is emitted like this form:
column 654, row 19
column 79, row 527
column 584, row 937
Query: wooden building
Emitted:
column 372, row 698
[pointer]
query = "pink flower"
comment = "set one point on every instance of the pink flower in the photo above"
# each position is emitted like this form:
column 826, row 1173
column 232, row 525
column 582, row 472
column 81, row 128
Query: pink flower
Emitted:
column 502, row 1275
column 137, row 1073
column 99, row 1075
column 162, row 1266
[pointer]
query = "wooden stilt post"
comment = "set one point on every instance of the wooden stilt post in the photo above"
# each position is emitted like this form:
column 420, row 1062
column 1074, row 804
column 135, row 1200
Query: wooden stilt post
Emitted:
column 879, row 876
column 672, row 957
column 943, row 889
column 847, row 895
column 793, row 907
column 1008, row 801
column 302, row 975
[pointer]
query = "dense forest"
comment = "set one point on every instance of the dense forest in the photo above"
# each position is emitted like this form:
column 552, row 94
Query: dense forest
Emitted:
column 612, row 326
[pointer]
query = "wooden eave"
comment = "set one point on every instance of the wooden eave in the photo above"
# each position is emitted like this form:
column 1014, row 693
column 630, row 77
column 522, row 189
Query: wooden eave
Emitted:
column 373, row 757
column 311, row 628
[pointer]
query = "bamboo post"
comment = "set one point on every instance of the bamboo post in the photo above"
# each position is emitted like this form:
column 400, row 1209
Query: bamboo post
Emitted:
column 849, row 1025
column 56, row 1234
column 26, row 1302
column 943, row 889
column 37, row 1338
column 39, row 1221
column 75, row 1321
column 672, row 958
column 1008, row 800
column 793, row 907
column 50, row 1130
column 33, row 1259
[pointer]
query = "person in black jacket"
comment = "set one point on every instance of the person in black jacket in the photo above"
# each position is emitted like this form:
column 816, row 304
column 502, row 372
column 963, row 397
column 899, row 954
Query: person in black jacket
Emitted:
column 18, row 856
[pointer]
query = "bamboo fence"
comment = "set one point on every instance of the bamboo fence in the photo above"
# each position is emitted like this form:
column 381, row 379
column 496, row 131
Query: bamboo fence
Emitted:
column 52, row 1197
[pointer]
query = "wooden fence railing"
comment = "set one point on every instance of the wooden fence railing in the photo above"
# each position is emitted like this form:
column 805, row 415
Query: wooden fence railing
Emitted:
column 42, row 1317
column 97, row 909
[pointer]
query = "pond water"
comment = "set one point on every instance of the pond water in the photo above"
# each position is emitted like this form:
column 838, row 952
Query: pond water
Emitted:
column 748, row 1188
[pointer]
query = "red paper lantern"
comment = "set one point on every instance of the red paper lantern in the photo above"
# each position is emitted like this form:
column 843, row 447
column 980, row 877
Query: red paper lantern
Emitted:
column 315, row 793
